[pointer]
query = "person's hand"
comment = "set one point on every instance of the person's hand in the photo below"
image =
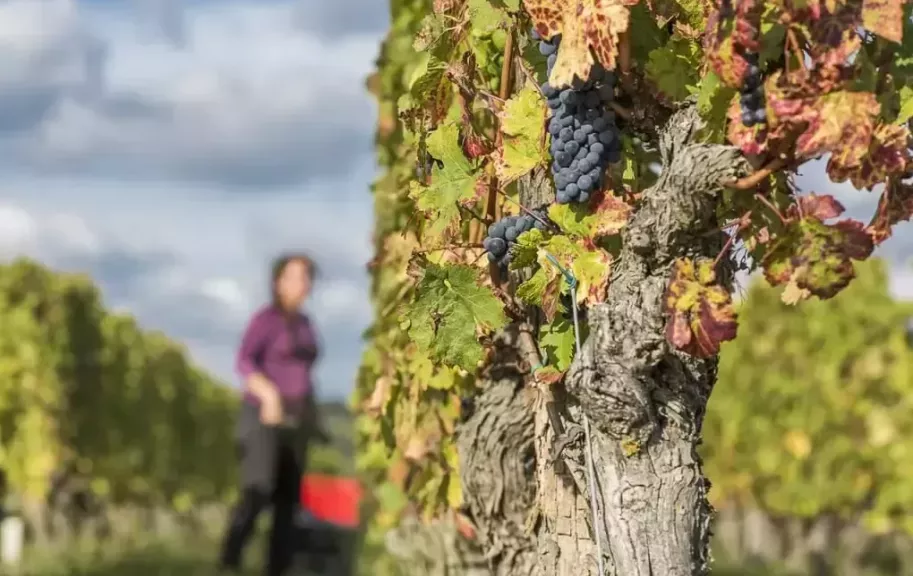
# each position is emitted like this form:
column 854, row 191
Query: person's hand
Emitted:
column 271, row 410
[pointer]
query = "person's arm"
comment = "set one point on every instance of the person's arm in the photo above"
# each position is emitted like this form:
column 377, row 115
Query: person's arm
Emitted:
column 250, row 354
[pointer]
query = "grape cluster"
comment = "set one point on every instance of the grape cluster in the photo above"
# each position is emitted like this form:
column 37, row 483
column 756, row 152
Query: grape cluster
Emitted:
column 585, row 139
column 503, row 234
column 752, row 99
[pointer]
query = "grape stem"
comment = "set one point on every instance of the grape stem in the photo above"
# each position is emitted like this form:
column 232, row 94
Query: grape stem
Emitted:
column 773, row 208
column 749, row 182
column 459, row 246
column 488, row 94
column 491, row 206
column 726, row 247
column 530, row 212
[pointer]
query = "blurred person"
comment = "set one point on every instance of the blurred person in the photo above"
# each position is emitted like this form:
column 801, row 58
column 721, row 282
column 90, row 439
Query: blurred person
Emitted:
column 278, row 415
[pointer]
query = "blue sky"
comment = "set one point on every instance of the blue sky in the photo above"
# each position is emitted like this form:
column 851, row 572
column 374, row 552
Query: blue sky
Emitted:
column 171, row 148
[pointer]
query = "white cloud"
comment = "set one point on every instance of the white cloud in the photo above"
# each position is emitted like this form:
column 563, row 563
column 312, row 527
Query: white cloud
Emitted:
column 247, row 99
column 18, row 230
column 227, row 291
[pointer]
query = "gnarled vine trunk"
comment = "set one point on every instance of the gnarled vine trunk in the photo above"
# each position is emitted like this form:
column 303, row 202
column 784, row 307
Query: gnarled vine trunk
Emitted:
column 522, row 460
column 645, row 403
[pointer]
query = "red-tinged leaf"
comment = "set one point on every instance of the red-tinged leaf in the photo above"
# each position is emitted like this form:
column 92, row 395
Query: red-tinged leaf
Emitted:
column 729, row 38
column 701, row 315
column 548, row 376
column 588, row 28
column 813, row 206
column 678, row 330
column 550, row 297
column 752, row 141
column 888, row 154
column 475, row 146
column 465, row 526
column 895, row 205
column 841, row 123
column 884, row 18
column 610, row 214
column 817, row 257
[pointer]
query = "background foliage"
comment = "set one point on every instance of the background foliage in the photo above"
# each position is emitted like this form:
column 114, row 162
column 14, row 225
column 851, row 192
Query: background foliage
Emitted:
column 86, row 391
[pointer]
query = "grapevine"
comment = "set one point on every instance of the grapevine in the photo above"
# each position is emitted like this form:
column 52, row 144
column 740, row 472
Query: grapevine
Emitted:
column 89, row 392
column 540, row 176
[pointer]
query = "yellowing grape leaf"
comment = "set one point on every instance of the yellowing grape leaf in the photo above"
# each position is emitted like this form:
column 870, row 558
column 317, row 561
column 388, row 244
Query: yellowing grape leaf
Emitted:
column 840, row 122
column 523, row 145
column 604, row 215
column 451, row 186
column 798, row 444
column 887, row 154
column 814, row 256
column 884, row 18
column 610, row 214
column 587, row 28
column 450, row 308
column 895, row 205
column 590, row 265
column 701, row 315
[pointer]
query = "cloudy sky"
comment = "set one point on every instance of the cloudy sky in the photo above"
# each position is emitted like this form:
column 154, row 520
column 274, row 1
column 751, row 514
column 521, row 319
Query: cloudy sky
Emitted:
column 170, row 148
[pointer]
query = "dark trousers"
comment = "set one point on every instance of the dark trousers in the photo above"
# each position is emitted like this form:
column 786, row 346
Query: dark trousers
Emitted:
column 271, row 471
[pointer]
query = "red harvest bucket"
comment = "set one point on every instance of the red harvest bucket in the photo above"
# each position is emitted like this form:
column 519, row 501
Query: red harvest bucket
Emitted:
column 332, row 499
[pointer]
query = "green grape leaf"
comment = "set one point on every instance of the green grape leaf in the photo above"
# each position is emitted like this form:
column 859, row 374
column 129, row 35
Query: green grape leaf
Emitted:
column 701, row 315
column 814, row 258
column 558, row 343
column 523, row 146
column 526, row 250
column 542, row 289
column 673, row 67
column 450, row 308
column 432, row 34
column 605, row 215
column 573, row 220
column 713, row 99
column 906, row 105
column 427, row 77
column 485, row 18
column 453, row 185
column 510, row 5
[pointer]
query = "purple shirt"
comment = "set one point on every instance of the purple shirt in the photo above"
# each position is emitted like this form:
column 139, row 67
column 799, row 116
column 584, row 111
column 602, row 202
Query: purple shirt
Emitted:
column 282, row 349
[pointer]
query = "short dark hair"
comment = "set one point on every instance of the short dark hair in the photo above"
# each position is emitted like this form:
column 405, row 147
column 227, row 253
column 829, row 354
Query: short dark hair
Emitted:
column 279, row 265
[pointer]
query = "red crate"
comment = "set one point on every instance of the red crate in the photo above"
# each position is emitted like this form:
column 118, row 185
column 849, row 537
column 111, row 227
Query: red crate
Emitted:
column 332, row 499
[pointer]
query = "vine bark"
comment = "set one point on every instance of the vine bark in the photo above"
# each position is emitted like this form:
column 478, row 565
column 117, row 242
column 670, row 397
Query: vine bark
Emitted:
column 524, row 482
